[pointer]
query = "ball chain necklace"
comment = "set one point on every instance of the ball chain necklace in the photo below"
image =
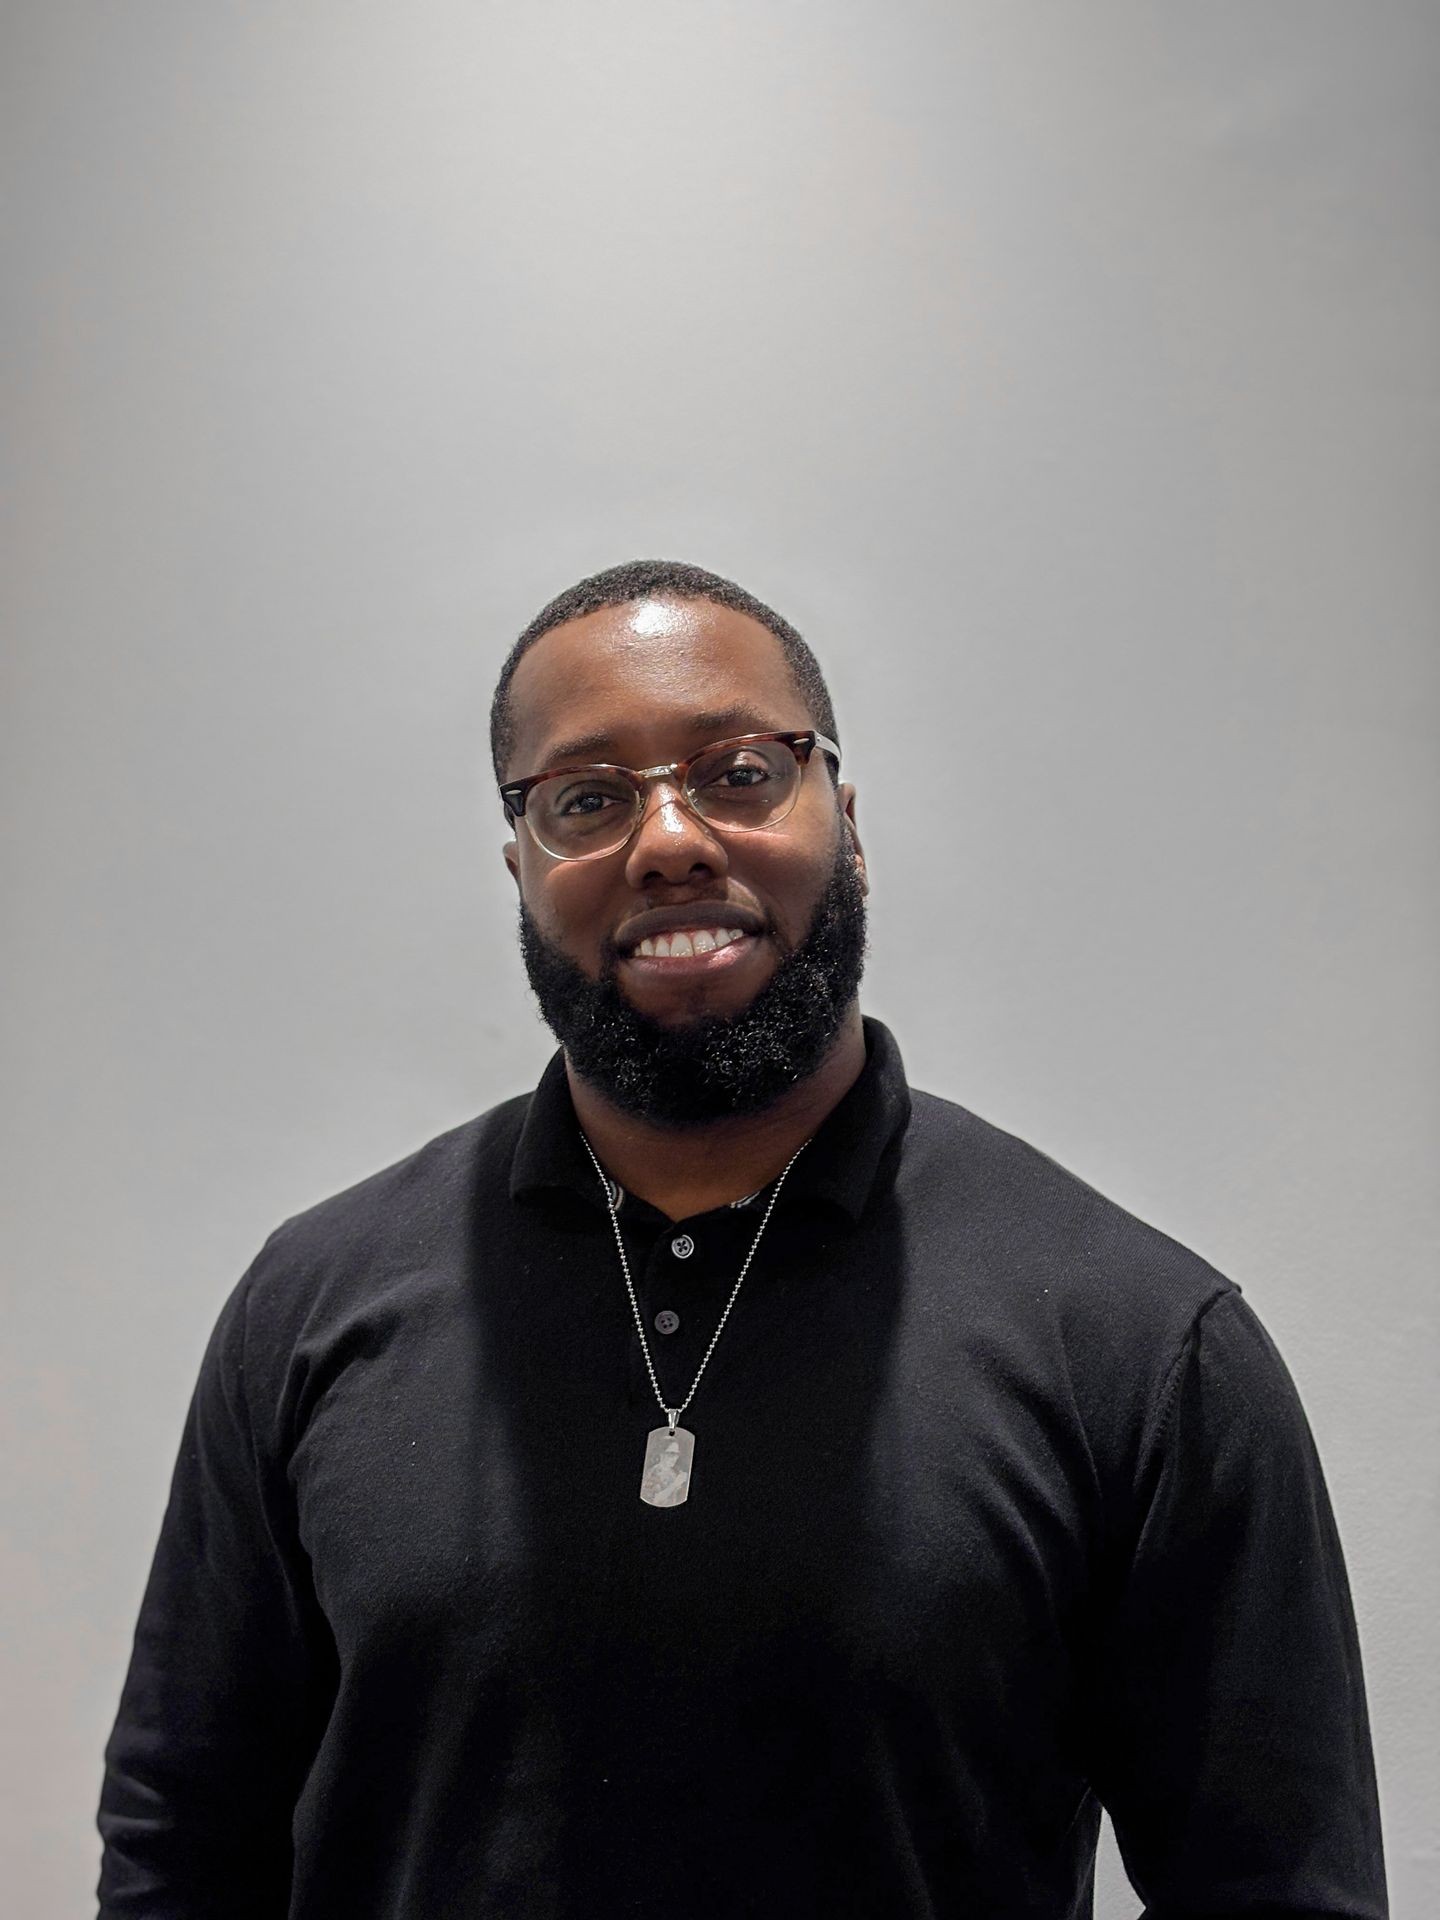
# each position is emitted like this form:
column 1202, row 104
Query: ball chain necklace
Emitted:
column 670, row 1450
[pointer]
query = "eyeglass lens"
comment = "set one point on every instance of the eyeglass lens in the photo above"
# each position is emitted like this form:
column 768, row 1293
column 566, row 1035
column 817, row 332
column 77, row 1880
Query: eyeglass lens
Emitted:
column 594, row 810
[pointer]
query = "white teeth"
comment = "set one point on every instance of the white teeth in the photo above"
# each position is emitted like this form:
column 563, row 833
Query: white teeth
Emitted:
column 683, row 946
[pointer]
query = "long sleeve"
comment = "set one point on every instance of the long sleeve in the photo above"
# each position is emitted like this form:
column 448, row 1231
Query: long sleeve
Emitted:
column 1233, row 1750
column 218, row 1716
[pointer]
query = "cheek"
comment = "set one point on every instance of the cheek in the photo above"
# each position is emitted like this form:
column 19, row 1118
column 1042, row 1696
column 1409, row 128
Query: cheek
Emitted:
column 566, row 903
column 790, row 885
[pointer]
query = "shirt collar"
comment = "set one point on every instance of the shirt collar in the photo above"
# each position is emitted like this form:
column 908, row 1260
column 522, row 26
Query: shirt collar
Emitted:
column 841, row 1167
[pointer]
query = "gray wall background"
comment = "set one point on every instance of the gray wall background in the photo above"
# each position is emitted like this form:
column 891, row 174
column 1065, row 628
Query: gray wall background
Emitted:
column 1067, row 374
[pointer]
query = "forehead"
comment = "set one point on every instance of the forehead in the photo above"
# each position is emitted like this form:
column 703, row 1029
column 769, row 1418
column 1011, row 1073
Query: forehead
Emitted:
column 642, row 683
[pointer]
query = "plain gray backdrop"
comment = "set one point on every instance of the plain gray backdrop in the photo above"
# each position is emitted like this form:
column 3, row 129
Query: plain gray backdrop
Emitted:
column 1067, row 374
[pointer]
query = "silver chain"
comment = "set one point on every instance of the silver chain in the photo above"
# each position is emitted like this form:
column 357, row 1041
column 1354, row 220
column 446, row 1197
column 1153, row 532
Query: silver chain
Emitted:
column 672, row 1414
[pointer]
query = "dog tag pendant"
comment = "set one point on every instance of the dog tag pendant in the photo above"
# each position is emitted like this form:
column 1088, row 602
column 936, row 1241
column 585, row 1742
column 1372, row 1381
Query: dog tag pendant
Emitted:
column 666, row 1479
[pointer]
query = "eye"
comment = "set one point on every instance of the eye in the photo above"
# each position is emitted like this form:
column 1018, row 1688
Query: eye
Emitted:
column 737, row 772
column 579, row 802
column 746, row 774
column 582, row 798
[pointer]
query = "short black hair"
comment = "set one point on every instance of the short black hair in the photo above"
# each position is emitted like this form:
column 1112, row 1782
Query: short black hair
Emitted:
column 641, row 580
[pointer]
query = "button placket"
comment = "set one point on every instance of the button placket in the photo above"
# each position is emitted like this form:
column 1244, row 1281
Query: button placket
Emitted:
column 692, row 1286
column 678, row 1271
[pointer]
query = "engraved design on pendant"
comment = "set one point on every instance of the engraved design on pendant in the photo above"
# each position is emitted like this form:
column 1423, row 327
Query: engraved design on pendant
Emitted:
column 666, row 1479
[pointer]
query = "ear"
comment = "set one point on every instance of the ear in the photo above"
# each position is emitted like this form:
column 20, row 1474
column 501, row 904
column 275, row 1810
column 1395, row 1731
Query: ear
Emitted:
column 512, row 860
column 845, row 794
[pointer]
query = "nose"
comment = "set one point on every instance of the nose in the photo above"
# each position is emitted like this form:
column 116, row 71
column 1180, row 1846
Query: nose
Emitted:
column 671, row 841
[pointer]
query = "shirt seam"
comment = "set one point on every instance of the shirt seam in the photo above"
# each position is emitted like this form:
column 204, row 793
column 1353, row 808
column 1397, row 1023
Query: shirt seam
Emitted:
column 1162, row 1409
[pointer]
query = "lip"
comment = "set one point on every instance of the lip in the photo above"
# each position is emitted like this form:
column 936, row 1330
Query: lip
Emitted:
column 689, row 915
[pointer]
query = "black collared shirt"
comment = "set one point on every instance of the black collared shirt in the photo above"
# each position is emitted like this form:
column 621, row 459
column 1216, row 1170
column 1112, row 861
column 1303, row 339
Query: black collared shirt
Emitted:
column 1003, row 1505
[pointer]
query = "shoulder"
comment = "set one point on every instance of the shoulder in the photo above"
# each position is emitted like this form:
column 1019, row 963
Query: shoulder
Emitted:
column 1003, row 1184
column 1078, row 1303
column 417, row 1212
column 1042, row 1244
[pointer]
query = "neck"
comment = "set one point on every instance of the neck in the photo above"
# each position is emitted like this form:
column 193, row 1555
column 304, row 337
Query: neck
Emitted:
column 685, row 1171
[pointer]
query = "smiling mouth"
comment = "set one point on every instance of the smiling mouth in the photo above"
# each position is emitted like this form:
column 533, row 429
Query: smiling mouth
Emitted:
column 691, row 950
column 682, row 942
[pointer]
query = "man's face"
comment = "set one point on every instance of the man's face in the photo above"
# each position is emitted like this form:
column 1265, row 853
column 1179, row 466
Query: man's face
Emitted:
column 642, row 685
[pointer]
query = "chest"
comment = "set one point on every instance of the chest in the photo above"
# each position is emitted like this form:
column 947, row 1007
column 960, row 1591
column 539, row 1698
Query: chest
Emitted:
column 887, row 1494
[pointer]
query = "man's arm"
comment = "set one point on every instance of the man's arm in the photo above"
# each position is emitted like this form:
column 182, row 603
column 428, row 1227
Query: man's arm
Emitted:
column 224, row 1697
column 1233, row 1746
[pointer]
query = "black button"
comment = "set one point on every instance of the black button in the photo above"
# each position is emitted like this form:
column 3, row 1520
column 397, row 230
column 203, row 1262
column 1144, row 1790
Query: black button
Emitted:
column 666, row 1321
column 682, row 1246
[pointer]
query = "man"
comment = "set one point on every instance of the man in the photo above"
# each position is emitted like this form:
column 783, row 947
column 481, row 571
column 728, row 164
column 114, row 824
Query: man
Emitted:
column 727, row 1481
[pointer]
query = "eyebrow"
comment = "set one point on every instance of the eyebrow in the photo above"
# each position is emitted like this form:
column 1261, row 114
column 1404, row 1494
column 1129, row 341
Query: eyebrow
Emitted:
column 718, row 723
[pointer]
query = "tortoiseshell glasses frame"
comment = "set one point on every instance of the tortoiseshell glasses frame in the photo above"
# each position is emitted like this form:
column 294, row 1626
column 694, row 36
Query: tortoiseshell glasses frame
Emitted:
column 743, row 809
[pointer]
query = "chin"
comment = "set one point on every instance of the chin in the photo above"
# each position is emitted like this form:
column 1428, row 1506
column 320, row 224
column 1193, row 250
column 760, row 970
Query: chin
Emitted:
column 684, row 1005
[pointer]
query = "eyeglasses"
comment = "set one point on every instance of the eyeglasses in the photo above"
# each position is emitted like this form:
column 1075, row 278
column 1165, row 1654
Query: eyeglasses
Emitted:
column 582, row 812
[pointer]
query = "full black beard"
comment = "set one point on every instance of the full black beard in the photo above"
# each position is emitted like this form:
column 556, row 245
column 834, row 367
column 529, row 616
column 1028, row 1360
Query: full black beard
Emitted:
column 717, row 1066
